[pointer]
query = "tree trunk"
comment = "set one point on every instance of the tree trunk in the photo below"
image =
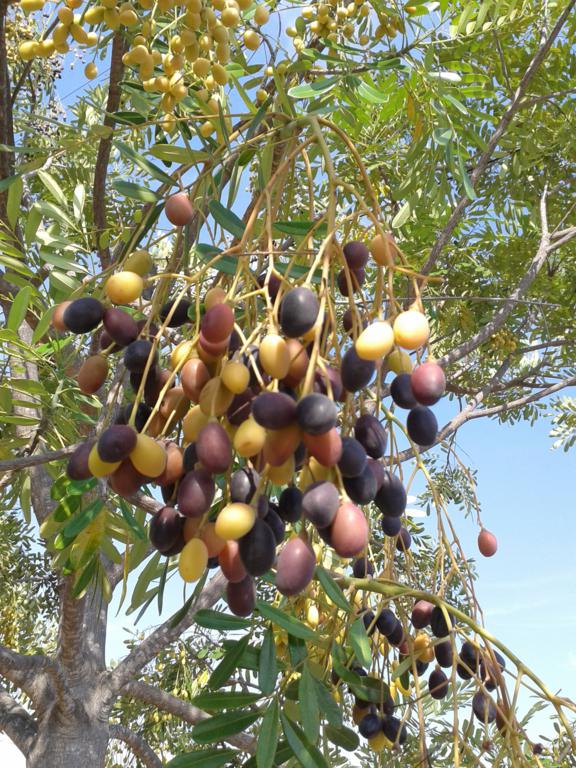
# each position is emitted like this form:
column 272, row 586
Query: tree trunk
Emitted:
column 76, row 744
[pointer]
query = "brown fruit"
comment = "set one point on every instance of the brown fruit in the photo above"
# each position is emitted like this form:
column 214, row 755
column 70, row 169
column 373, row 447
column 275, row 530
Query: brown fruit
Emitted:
column 77, row 468
column 215, row 399
column 349, row 533
column 214, row 449
column 487, row 543
column 92, row 374
column 178, row 209
column 126, row 480
column 174, row 402
column 58, row 316
column 214, row 544
column 280, row 444
column 218, row 323
column 174, row 465
column 295, row 567
column 230, row 562
column 241, row 596
column 193, row 377
column 299, row 362
column 213, row 349
column 326, row 448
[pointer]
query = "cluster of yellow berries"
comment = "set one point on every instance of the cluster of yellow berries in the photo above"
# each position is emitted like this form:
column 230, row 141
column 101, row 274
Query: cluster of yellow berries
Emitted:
column 503, row 342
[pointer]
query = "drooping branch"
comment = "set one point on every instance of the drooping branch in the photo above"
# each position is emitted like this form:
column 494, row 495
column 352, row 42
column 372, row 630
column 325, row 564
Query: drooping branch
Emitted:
column 515, row 105
column 179, row 708
column 138, row 746
column 522, row 401
column 162, row 637
column 18, row 724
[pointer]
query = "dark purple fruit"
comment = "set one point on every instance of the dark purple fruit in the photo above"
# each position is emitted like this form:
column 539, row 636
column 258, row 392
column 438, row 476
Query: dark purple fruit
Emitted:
column 116, row 443
column 489, row 671
column 391, row 526
column 120, row 326
column 394, row 729
column 190, row 459
column 362, row 567
column 177, row 547
column 470, row 655
column 316, row 414
column 404, row 540
column 353, row 459
column 180, row 315
column 378, row 471
column 168, row 492
column 295, row 567
column 438, row 684
column 136, row 356
column 274, row 284
column 126, row 480
column 444, row 654
column 240, row 407
column 77, row 468
column 356, row 373
column 320, row 503
column 391, row 498
column 331, row 375
column 438, row 622
column 370, row 726
column 356, row 254
column 83, row 315
column 276, row 524
column 262, row 506
column 290, row 504
column 387, row 622
column 214, row 449
column 142, row 415
column 371, row 435
column 369, row 622
column 357, row 279
column 243, row 484
column 401, row 391
column 352, row 319
column 397, row 636
column 421, row 613
column 483, row 707
column 274, row 410
column 258, row 549
column 241, row 596
column 422, row 426
column 196, row 493
column 428, row 383
column 361, row 489
column 165, row 529
column 218, row 323
column 298, row 311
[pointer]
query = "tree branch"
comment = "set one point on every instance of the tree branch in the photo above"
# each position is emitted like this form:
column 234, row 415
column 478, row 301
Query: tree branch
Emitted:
column 505, row 121
column 138, row 746
column 567, row 235
column 70, row 629
column 162, row 637
column 18, row 725
column 179, row 708
column 522, row 401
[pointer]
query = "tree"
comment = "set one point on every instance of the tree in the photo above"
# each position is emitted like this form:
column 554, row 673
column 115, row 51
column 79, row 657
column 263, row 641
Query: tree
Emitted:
column 447, row 124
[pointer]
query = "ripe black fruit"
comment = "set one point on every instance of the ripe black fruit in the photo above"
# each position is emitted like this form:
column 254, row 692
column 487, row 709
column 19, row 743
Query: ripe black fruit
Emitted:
column 470, row 655
column 196, row 493
column 296, row 565
column 290, row 504
column 258, row 549
column 401, row 391
column 438, row 684
column 241, row 596
column 136, row 356
column 356, row 254
column 369, row 622
column 488, row 670
column 394, row 729
column 361, row 489
column 438, row 622
column 77, row 468
column 274, row 410
column 353, row 459
column 243, row 484
column 422, row 426
column 391, row 498
column 276, row 524
column 214, row 449
column 378, row 471
column 190, row 459
column 362, row 567
column 316, row 414
column 240, row 407
column 180, row 315
column 165, row 529
column 387, row 622
column 404, row 540
column 369, row 726
column 298, row 311
column 483, row 707
column 116, row 443
column 357, row 278
column 444, row 654
column 371, row 435
column 320, row 503
column 391, row 526
column 421, row 613
column 120, row 326
column 356, row 373
column 83, row 315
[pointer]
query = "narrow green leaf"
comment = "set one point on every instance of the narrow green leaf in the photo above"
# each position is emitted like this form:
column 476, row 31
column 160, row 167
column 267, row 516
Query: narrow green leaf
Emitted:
column 220, row 727
column 289, row 623
column 203, row 758
column 442, row 136
column 133, row 524
column 360, row 643
column 134, row 191
column 268, row 737
column 371, row 94
column 332, row 589
column 84, row 578
column 145, row 165
column 310, row 90
column 228, row 664
column 19, row 308
column 300, row 228
column 466, row 182
column 7, row 182
column 224, row 622
column 402, row 216
column 343, row 737
column 328, row 705
column 53, row 187
column 82, row 519
column 309, row 710
column 404, row 666
column 43, row 325
column 217, row 700
column 227, row 219
column 268, row 666
column 78, row 200
column 172, row 153
column 306, row 754
column 14, row 201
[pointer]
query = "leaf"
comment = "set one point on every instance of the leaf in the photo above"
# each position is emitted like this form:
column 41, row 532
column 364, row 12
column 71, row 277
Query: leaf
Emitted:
column 451, row 77
column 14, row 201
column 78, row 200
column 306, row 754
column 133, row 524
column 218, row 700
column 268, row 737
column 82, row 519
column 455, row 102
column 404, row 666
column 360, row 643
column 228, row 664
column 53, row 211
column 371, row 94
column 402, row 216
column 301, row 228
column 145, row 165
column 328, row 705
column 223, row 622
column 309, row 710
column 134, row 191
column 466, row 181
column 19, row 308
column 332, row 589
column 310, row 90
column 203, row 758
column 343, row 737
column 227, row 219
column 220, row 727
column 53, row 187
column 7, row 182
column 268, row 665
column 84, row 578
column 174, row 154
column 442, row 136
column 289, row 623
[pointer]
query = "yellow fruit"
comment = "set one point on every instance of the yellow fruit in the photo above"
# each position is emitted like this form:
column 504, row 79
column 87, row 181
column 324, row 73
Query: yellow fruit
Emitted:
column 249, row 438
column 149, row 457
column 219, row 74
column 274, row 355
column 315, row 471
column 383, row 249
column 124, row 287
column 94, row 15
column 140, row 262
column 235, row 521
column 65, row 15
column 411, row 329
column 112, row 19
column 214, row 296
column 261, row 95
column 215, row 398
column 230, row 17
column 79, row 34
column 235, row 377
column 375, row 341
column 60, row 34
column 261, row 15
column 91, row 71
column 379, row 742
column 284, row 473
column 201, row 67
column 28, row 6
column 251, row 40
column 98, row 467
column 193, row 560
column 193, row 422
column 206, row 129
column 28, row 50
column 399, row 361
column 312, row 615
column 181, row 353
column 359, row 712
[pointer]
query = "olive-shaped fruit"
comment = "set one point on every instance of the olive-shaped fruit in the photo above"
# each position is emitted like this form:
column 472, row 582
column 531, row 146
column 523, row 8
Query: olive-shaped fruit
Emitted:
column 328, row 381
column 235, row 377
column 353, row 459
column 350, row 282
column 422, row 426
column 356, row 254
column 487, row 543
column 391, row 498
column 124, row 287
column 178, row 312
column 214, row 449
column 274, row 356
column 375, row 341
column 235, row 520
column 371, row 435
column 421, row 613
column 299, row 362
column 290, row 504
column 258, row 548
column 401, row 391
column 178, row 209
column 438, row 684
column 165, row 528
column 193, row 560
column 356, row 373
column 273, row 282
column 391, row 526
column 193, row 376
column 230, row 562
column 241, row 596
column 140, row 262
column 57, row 319
column 116, row 442
column 99, row 468
column 362, row 488
column 370, row 726
column 218, row 323
column 377, row 469
column 174, row 469
column 383, row 249
column 428, row 383
column 273, row 410
column 196, row 493
column 92, row 374
column 276, row 524
column 295, row 567
column 438, row 622
column 483, row 707
column 136, row 355
column 77, row 467
column 249, row 438
column 394, row 729
column 404, row 540
column 349, row 532
column 320, row 503
column 387, row 622
column 148, row 456
column 243, row 484
column 443, row 653
column 126, row 481
column 411, row 329
column 120, row 326
column 316, row 414
column 83, row 315
column 240, row 407
column 325, row 448
column 298, row 311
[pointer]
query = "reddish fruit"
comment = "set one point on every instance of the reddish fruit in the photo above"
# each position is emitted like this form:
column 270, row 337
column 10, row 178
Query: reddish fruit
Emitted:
column 487, row 543
column 178, row 209
column 428, row 383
